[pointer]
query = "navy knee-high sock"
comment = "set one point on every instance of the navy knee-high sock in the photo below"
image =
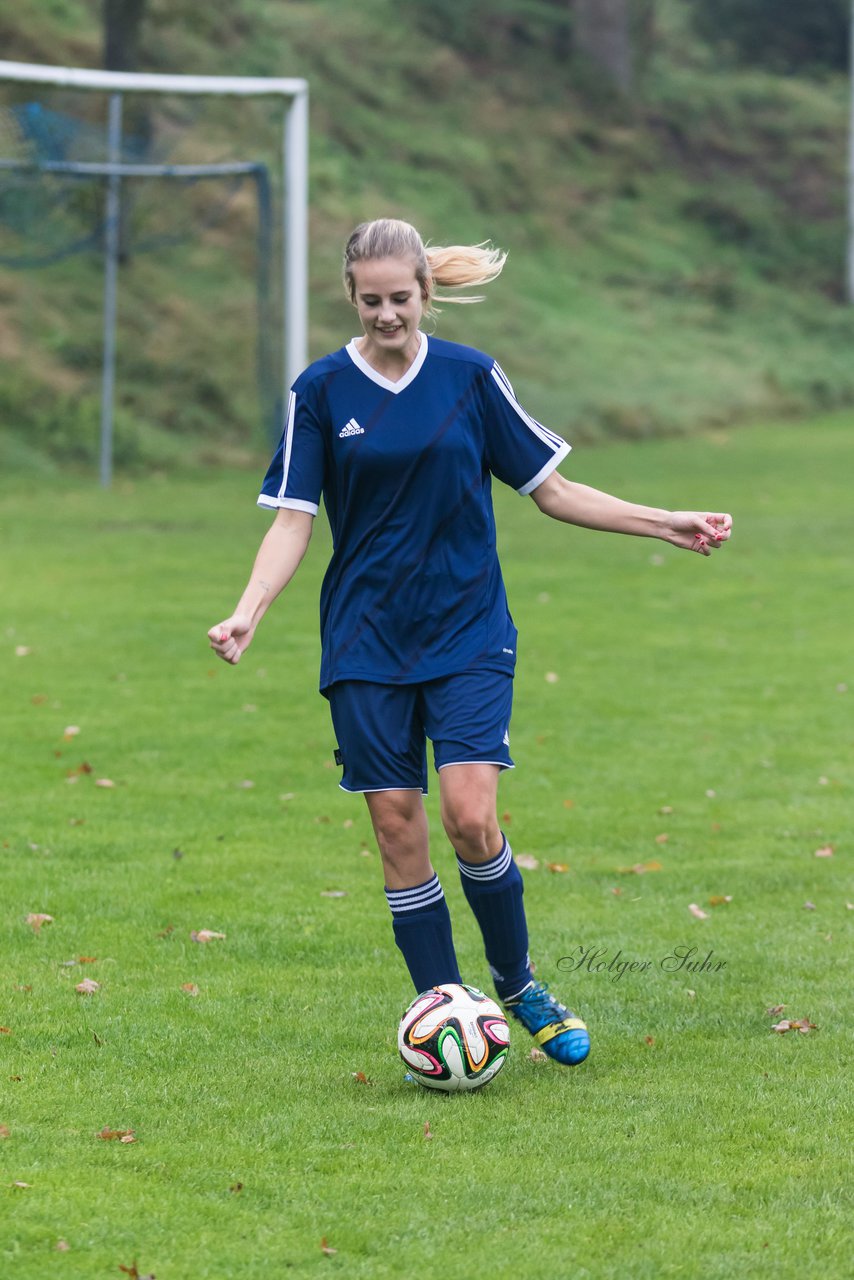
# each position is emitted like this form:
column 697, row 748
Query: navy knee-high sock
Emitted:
column 494, row 892
column 422, row 931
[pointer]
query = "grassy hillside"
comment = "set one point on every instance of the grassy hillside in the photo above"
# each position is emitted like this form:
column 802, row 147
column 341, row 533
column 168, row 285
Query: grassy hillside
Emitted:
column 673, row 264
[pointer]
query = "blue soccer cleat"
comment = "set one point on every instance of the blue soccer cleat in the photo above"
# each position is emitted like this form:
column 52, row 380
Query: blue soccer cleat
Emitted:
column 556, row 1029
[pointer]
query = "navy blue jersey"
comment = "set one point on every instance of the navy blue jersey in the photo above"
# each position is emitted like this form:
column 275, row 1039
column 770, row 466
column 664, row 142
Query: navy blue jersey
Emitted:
column 413, row 591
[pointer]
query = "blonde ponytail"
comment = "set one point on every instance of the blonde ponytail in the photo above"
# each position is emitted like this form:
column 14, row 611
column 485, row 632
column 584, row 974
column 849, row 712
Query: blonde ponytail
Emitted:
column 457, row 266
column 450, row 266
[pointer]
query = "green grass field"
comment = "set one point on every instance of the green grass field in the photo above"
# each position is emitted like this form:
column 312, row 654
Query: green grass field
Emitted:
column 701, row 719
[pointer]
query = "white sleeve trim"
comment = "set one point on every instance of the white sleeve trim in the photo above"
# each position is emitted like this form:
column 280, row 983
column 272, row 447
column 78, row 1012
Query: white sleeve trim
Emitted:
column 545, row 471
column 290, row 504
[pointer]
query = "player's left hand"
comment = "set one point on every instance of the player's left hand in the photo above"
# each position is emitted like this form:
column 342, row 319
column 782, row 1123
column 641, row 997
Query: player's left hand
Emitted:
column 701, row 531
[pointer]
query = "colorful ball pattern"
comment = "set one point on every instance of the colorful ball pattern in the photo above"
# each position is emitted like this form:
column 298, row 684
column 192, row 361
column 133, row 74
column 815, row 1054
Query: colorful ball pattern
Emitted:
column 453, row 1037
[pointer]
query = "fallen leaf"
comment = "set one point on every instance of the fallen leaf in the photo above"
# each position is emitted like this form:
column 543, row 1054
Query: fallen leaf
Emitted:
column 62, row 1246
column 427, row 1133
column 774, row 1011
column 5, row 1131
column 246, row 785
column 113, row 1135
column 537, row 1055
column 360, row 1077
column 206, row 935
column 23, row 1185
column 36, row 919
column 616, row 890
column 826, row 851
column 558, row 867
column 809, row 906
column 527, row 861
column 190, row 988
column 691, row 994
column 333, row 893
column 236, row 1188
column 663, row 838
column 698, row 911
column 327, row 1248
column 87, row 959
column 640, row 868
column 104, row 782
column 87, row 987
column 38, row 699
column 22, row 651
column 649, row 1040
column 720, row 899
column 569, row 804
column 798, row 1024
column 552, row 677
column 666, row 809
column 164, row 933
column 711, row 794
column 5, row 1031
column 506, row 819
column 71, row 731
column 347, row 824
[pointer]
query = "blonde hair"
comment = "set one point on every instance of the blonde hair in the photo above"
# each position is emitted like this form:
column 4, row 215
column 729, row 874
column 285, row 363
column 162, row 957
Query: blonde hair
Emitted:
column 453, row 266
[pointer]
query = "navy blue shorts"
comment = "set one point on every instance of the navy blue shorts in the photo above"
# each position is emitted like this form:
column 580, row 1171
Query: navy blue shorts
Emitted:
column 382, row 729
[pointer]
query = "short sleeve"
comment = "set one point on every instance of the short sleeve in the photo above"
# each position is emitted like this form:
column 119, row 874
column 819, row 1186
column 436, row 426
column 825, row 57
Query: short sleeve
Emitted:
column 520, row 451
column 295, row 476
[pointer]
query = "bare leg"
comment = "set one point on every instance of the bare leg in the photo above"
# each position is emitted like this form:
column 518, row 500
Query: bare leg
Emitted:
column 400, row 826
column 469, row 802
column 422, row 925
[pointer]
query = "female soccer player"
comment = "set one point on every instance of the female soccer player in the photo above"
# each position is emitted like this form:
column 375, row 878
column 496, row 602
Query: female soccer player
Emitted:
column 402, row 433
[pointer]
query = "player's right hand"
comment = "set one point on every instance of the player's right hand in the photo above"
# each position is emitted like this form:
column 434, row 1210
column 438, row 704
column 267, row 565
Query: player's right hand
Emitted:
column 230, row 639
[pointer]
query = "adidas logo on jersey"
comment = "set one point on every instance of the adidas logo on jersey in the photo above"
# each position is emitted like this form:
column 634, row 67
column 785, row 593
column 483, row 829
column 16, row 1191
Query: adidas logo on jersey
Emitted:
column 352, row 429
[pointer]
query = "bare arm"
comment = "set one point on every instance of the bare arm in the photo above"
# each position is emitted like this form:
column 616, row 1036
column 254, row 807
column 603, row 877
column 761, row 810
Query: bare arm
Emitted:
column 574, row 503
column 278, row 559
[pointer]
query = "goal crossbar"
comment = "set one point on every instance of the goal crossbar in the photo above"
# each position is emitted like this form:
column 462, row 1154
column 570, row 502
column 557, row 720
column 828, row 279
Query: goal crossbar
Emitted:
column 294, row 92
column 142, row 82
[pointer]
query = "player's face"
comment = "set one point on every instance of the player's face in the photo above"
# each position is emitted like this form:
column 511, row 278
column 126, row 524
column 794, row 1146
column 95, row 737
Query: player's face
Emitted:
column 389, row 303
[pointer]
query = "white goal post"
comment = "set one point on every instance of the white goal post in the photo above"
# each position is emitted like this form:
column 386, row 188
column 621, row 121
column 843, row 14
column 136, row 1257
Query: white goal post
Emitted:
column 294, row 93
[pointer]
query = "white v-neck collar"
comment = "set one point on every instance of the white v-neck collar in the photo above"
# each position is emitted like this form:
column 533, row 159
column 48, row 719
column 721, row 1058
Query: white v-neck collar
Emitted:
column 370, row 372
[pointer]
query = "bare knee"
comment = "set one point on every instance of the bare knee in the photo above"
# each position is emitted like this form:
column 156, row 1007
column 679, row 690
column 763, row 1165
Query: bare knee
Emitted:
column 400, row 827
column 472, row 829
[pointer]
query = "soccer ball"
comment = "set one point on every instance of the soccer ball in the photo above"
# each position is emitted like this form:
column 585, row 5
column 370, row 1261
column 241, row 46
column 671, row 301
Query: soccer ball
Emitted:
column 453, row 1037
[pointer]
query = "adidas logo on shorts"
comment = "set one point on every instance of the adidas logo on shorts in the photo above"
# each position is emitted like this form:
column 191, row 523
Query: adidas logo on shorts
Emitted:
column 352, row 429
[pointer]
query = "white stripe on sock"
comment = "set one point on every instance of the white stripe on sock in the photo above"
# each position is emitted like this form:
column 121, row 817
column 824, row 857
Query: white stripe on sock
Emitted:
column 484, row 871
column 415, row 899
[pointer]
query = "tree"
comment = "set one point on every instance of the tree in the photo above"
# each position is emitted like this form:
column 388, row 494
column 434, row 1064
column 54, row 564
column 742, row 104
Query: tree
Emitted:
column 784, row 35
column 601, row 33
column 122, row 22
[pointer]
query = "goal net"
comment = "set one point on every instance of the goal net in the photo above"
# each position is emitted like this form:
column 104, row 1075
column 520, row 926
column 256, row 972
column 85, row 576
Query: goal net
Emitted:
column 153, row 239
